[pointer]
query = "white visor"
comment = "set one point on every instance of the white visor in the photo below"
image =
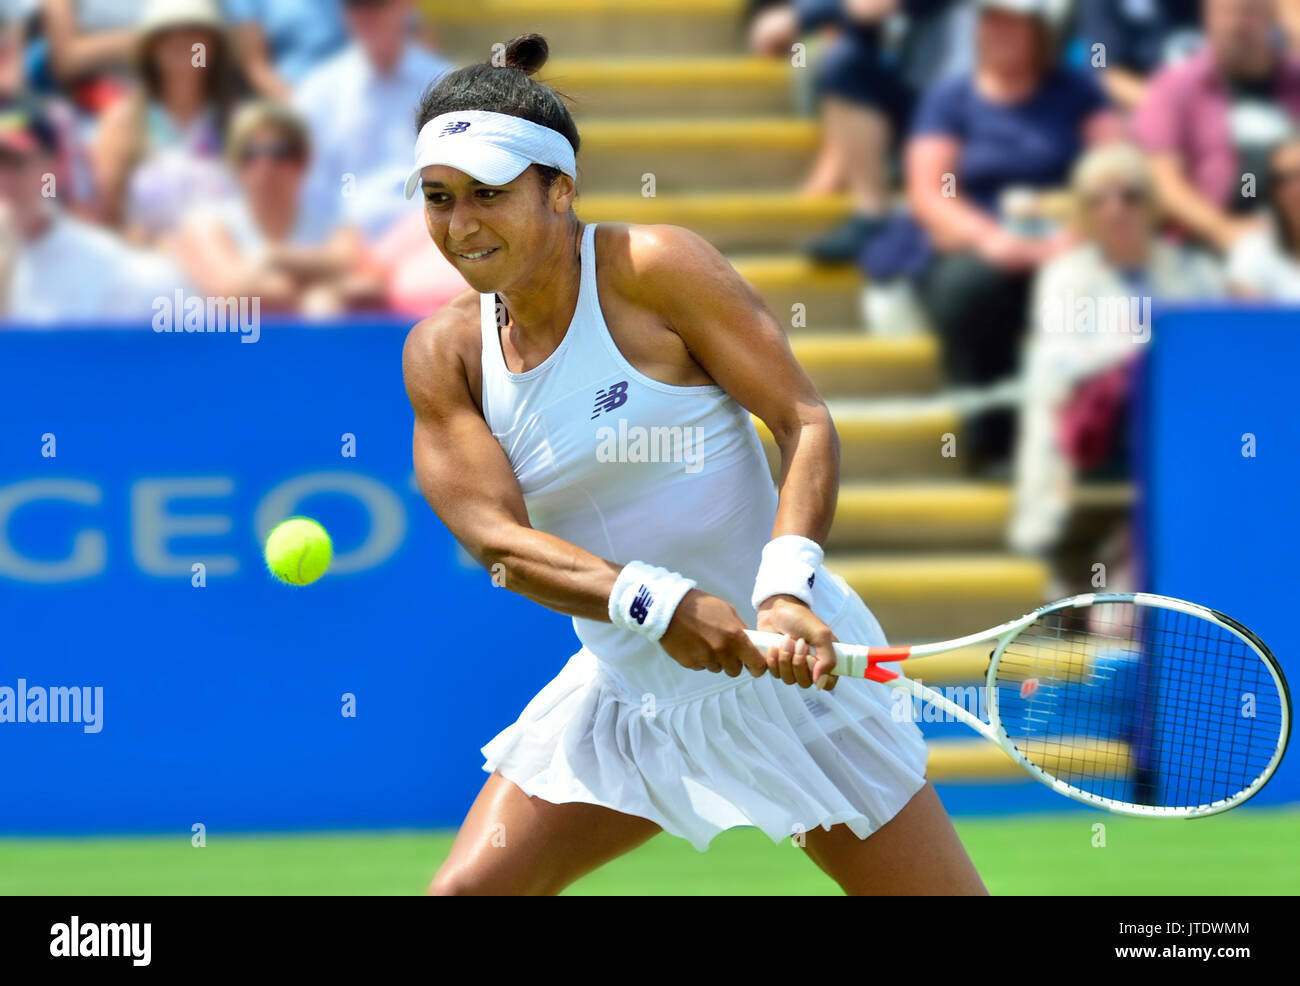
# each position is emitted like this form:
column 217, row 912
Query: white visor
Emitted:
column 494, row 148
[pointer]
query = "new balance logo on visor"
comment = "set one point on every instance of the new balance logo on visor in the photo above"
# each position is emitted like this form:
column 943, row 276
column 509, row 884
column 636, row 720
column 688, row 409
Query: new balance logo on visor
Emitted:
column 454, row 127
column 609, row 398
column 641, row 604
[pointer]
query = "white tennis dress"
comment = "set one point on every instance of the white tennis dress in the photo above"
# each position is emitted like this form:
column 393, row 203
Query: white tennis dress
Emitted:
column 623, row 725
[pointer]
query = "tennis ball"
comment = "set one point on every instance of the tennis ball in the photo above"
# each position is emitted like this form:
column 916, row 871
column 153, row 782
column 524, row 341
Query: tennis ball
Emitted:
column 298, row 551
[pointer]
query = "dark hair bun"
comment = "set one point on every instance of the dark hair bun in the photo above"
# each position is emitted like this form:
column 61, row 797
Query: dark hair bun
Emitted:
column 528, row 53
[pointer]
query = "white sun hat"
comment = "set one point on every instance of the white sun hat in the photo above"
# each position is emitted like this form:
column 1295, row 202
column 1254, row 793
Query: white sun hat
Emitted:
column 159, row 15
column 1052, row 12
column 493, row 148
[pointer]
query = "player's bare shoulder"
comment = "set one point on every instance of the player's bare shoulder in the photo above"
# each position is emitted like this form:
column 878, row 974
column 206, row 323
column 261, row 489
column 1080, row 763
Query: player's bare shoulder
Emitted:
column 635, row 250
column 441, row 360
column 648, row 260
column 677, row 275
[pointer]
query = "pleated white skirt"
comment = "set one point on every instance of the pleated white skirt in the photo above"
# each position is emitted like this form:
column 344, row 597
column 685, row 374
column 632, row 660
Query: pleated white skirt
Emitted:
column 732, row 752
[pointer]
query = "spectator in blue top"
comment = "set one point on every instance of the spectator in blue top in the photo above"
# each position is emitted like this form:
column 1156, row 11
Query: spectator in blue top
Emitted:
column 280, row 41
column 979, row 143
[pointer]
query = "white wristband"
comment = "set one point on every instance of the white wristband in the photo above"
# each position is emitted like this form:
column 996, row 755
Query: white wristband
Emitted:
column 789, row 567
column 645, row 598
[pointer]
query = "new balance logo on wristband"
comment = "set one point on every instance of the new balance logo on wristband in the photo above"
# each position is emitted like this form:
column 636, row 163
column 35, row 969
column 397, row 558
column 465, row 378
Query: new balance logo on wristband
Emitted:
column 644, row 597
column 781, row 569
column 641, row 604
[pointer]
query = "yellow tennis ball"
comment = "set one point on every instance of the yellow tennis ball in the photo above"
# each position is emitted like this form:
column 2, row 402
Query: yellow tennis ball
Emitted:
column 298, row 551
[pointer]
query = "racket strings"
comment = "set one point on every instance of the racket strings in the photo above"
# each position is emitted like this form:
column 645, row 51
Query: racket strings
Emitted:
column 1140, row 705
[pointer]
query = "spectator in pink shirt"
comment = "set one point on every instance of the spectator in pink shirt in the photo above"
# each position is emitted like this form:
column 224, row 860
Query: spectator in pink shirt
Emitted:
column 1209, row 122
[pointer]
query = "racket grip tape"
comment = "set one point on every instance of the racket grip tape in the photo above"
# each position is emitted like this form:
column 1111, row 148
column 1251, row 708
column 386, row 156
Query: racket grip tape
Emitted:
column 851, row 660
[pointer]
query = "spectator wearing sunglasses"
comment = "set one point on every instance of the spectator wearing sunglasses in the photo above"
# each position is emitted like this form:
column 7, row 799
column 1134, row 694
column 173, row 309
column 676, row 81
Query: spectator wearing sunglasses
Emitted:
column 1090, row 316
column 1265, row 264
column 267, row 242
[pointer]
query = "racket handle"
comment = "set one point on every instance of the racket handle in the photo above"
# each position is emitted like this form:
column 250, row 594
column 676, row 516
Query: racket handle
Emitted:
column 851, row 660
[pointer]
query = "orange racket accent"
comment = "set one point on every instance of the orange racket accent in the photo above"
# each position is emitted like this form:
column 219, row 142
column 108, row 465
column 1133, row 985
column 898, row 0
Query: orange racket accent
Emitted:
column 877, row 654
column 880, row 654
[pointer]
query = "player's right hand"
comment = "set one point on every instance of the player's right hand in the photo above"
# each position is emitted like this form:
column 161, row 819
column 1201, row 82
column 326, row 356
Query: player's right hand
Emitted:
column 707, row 634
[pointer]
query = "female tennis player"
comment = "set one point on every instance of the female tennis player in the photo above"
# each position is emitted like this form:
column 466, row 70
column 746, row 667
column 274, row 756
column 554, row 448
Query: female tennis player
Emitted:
column 582, row 419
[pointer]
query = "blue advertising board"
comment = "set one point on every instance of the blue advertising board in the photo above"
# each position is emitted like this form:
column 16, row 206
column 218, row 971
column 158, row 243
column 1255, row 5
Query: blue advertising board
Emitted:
column 235, row 702
column 226, row 704
column 1220, row 460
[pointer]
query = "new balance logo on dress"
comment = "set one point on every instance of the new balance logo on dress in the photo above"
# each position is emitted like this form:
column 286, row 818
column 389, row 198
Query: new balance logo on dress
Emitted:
column 811, row 578
column 608, row 398
column 641, row 604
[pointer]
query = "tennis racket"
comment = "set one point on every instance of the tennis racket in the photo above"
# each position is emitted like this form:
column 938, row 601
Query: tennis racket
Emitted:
column 1132, row 702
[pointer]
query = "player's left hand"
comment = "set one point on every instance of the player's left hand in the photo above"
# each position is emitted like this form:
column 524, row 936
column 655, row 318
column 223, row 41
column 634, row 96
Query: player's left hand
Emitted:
column 807, row 655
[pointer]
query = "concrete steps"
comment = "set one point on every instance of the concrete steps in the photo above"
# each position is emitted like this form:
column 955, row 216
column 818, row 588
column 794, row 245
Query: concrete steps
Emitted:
column 920, row 598
column 728, row 220
column 875, row 446
column 848, row 363
column 910, row 514
column 828, row 297
column 588, row 27
column 686, row 154
column 971, row 760
column 718, row 86
column 928, row 516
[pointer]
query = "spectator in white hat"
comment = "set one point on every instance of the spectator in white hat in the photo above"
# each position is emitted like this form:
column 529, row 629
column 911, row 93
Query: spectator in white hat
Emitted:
column 159, row 151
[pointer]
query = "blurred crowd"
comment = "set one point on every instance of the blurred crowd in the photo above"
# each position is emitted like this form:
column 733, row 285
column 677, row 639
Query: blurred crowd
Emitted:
column 230, row 148
column 1028, row 177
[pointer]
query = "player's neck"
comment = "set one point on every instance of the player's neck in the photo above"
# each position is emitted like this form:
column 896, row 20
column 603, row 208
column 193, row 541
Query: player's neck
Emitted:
column 540, row 308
